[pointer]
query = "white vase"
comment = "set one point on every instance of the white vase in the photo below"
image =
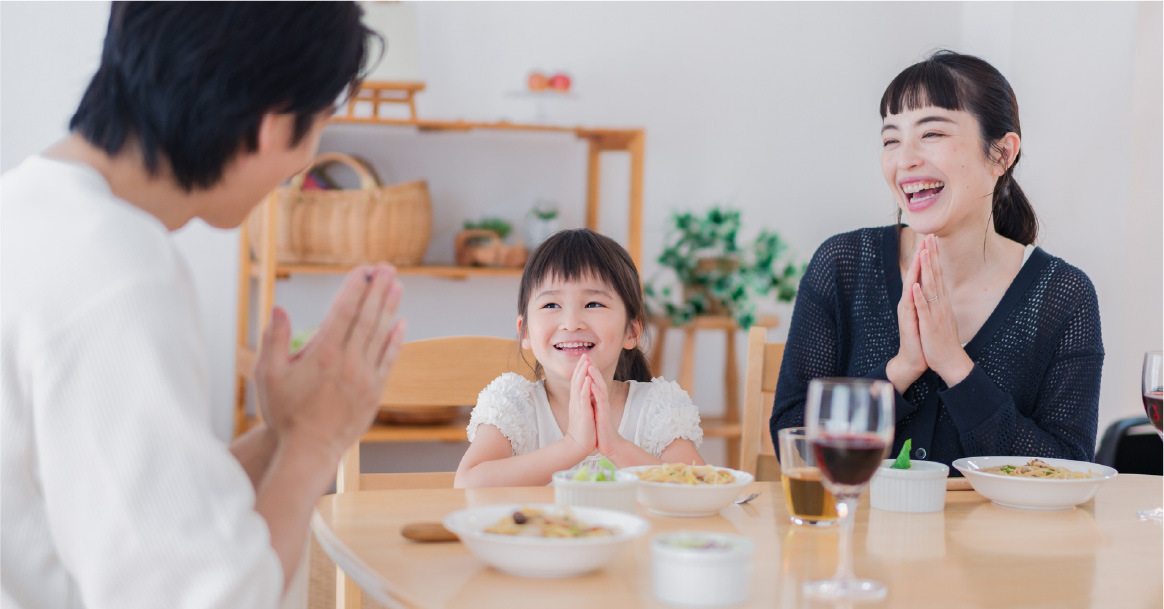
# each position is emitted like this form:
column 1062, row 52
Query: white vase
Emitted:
column 538, row 229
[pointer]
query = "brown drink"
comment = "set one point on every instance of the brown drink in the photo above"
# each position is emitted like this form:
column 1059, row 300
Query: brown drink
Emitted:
column 808, row 501
column 806, row 498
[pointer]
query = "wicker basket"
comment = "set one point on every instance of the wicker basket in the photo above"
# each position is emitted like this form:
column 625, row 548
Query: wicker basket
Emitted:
column 345, row 227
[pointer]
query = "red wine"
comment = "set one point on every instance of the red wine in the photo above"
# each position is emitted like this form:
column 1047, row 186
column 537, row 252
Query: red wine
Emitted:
column 850, row 460
column 1152, row 407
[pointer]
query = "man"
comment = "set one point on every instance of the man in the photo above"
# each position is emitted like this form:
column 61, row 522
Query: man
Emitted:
column 115, row 491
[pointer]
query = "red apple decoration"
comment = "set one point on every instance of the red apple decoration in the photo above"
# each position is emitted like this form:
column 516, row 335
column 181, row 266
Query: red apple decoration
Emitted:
column 537, row 81
column 560, row 82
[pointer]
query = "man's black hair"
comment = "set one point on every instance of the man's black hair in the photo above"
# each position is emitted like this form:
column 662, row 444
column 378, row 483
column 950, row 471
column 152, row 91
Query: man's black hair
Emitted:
column 188, row 82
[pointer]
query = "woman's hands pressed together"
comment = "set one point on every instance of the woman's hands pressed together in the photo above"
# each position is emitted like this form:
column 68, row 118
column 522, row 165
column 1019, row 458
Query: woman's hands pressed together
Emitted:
column 910, row 362
column 935, row 316
column 926, row 324
column 325, row 397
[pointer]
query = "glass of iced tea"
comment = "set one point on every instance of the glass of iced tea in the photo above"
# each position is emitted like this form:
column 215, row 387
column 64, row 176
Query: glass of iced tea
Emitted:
column 809, row 503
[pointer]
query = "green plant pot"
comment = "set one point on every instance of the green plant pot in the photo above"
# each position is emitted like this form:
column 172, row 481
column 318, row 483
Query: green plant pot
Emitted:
column 716, row 266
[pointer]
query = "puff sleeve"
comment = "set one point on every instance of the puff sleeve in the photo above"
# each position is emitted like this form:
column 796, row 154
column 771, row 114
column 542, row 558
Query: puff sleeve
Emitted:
column 668, row 415
column 507, row 404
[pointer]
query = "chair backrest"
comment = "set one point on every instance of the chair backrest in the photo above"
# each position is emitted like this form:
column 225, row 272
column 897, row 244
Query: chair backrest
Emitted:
column 757, row 455
column 1128, row 449
column 437, row 372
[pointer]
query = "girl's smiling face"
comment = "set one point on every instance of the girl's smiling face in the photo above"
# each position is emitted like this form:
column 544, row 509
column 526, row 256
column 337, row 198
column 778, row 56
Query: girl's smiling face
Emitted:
column 934, row 162
column 566, row 319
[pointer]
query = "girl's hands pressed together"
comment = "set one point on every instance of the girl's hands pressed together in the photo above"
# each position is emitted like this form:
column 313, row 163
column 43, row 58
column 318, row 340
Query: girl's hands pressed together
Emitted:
column 609, row 440
column 580, row 429
column 910, row 361
column 935, row 317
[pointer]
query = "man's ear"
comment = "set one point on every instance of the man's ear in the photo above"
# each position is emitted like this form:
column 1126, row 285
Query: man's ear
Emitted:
column 275, row 131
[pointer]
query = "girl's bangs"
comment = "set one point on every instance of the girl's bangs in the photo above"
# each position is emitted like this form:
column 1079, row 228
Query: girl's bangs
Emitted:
column 569, row 264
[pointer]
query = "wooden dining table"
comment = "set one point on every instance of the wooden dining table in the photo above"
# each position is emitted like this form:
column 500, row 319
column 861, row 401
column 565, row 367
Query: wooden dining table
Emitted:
column 972, row 554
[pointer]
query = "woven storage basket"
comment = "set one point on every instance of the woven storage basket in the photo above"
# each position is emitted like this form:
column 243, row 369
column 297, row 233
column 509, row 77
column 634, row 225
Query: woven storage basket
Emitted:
column 342, row 227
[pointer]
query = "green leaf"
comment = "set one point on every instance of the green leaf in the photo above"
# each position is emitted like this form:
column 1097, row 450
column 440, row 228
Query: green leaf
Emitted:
column 902, row 461
column 606, row 470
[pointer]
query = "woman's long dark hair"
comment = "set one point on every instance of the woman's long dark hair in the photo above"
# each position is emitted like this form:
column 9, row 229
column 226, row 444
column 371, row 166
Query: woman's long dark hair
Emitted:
column 569, row 255
column 963, row 82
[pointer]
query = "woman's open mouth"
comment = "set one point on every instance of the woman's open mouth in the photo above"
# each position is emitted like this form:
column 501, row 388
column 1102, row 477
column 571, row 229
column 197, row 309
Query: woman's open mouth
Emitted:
column 920, row 194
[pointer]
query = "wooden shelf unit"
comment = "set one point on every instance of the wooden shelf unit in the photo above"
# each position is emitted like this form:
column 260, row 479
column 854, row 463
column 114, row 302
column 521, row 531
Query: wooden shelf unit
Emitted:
column 265, row 270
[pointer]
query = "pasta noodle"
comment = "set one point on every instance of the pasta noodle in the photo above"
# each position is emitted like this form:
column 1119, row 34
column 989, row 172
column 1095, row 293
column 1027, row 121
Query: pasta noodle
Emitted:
column 529, row 522
column 1037, row 468
column 681, row 473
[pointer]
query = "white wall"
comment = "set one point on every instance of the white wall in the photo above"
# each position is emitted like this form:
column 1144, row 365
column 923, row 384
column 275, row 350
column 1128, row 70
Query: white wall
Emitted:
column 768, row 107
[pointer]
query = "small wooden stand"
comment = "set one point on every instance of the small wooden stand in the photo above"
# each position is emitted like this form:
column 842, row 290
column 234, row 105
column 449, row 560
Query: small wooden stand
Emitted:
column 385, row 92
column 729, row 426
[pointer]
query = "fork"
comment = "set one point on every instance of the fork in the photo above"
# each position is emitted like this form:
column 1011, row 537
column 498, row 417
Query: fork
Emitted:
column 747, row 499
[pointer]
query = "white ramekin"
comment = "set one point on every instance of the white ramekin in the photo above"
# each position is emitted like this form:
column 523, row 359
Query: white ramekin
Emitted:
column 919, row 489
column 696, row 577
column 615, row 495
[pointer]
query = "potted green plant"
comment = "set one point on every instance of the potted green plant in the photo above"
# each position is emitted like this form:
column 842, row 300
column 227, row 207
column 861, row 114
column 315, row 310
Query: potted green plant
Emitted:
column 715, row 274
column 482, row 244
column 497, row 225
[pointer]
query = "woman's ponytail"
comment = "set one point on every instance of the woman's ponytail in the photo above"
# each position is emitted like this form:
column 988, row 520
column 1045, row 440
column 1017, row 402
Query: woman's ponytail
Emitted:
column 1014, row 218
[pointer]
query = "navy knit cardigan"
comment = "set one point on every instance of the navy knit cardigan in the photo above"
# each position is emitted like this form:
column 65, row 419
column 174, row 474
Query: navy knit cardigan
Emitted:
column 1034, row 389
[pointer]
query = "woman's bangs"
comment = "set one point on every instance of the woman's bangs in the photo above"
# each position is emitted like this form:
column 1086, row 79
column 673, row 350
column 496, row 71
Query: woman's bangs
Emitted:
column 923, row 84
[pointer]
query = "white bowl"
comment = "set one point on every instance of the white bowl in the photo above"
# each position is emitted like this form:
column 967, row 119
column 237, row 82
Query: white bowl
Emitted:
column 686, row 500
column 613, row 495
column 702, row 577
column 544, row 556
column 919, row 489
column 1033, row 493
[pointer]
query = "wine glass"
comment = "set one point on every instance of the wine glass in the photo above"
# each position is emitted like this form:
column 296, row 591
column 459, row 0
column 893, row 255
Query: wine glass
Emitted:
column 1153, row 389
column 850, row 426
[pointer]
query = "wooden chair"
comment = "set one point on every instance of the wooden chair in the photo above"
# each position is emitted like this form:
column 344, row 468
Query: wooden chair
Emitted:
column 757, row 455
column 436, row 373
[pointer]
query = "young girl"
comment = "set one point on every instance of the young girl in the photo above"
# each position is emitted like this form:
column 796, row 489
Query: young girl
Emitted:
column 993, row 345
column 580, row 310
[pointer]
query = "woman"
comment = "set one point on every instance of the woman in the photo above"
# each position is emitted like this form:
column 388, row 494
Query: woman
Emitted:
column 993, row 346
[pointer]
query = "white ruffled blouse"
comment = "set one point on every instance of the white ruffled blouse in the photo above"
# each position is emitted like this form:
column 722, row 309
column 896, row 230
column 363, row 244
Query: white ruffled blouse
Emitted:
column 656, row 414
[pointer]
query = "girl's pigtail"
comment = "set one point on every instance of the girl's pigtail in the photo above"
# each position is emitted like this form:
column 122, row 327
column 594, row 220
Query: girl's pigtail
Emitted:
column 633, row 366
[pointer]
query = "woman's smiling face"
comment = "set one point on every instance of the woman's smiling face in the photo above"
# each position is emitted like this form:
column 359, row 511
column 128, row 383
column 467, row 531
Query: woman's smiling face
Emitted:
column 934, row 162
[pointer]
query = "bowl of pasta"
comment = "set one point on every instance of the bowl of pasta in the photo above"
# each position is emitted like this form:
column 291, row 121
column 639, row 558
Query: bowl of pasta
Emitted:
column 677, row 489
column 545, row 540
column 1034, row 483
